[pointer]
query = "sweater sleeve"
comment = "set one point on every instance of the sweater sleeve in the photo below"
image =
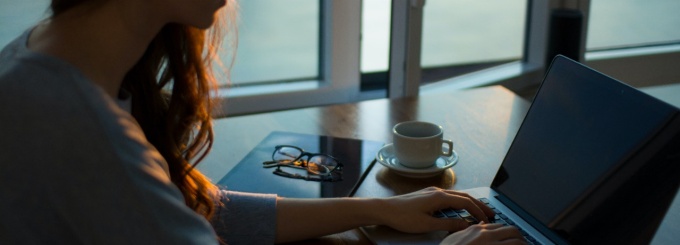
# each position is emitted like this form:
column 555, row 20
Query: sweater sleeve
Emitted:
column 246, row 218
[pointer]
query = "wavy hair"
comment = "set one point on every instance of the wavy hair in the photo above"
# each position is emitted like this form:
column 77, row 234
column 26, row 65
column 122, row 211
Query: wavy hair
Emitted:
column 173, row 90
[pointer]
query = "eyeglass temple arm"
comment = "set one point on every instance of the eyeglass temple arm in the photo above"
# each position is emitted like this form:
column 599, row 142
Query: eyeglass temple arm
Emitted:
column 286, row 174
column 298, row 176
column 270, row 164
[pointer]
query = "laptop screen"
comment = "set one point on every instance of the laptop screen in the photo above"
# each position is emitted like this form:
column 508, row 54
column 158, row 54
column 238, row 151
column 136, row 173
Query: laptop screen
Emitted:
column 581, row 126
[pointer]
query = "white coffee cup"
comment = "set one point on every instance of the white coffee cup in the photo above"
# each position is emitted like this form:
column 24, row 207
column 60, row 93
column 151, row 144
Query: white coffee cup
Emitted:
column 418, row 144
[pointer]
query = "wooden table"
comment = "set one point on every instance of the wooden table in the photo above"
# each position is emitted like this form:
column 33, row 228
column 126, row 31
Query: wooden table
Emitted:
column 481, row 122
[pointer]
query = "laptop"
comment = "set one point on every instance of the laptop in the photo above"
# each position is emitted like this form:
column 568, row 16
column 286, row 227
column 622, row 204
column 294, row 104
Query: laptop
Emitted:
column 595, row 161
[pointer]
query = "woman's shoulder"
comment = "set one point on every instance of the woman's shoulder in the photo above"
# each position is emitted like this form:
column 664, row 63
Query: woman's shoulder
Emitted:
column 34, row 81
column 33, row 84
column 47, row 99
column 20, row 66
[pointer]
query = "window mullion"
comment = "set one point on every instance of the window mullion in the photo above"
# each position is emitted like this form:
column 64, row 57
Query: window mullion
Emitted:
column 405, row 45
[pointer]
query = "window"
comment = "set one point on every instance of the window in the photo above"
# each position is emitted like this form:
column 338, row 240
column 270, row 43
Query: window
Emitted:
column 467, row 35
column 637, row 42
column 470, row 32
column 16, row 16
column 469, row 43
column 477, row 43
column 301, row 53
column 278, row 41
column 375, row 35
column 458, row 37
column 293, row 53
column 375, row 44
column 629, row 23
column 318, row 61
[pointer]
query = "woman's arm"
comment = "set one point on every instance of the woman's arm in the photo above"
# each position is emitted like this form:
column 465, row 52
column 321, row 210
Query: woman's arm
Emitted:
column 299, row 219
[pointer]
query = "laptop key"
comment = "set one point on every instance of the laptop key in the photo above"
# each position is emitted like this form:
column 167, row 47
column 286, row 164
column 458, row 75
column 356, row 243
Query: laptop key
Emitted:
column 450, row 213
column 471, row 220
column 438, row 214
column 464, row 214
column 501, row 218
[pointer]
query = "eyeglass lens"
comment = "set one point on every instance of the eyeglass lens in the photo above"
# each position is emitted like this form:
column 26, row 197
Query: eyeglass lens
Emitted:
column 288, row 155
column 317, row 164
column 321, row 164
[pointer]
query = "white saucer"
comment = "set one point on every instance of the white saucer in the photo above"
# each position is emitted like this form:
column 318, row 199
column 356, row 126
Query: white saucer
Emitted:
column 387, row 158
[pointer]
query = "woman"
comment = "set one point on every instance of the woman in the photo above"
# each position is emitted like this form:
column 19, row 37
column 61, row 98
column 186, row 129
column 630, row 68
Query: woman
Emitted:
column 106, row 105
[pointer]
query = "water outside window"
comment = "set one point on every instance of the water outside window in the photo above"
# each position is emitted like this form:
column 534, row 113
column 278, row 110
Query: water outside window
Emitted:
column 472, row 31
column 16, row 16
column 629, row 23
column 279, row 40
column 375, row 35
column 454, row 32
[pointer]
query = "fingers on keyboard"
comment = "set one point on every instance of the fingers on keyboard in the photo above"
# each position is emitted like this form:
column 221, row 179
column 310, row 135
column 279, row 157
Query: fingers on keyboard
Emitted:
column 499, row 218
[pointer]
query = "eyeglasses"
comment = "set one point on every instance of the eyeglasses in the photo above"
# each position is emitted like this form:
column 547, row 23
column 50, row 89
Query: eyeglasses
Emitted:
column 319, row 167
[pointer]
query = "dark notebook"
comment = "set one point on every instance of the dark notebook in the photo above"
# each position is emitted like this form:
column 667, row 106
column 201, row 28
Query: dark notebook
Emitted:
column 357, row 156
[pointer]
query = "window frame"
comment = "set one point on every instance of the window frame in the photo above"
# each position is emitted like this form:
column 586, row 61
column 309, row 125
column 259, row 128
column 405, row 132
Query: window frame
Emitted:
column 518, row 75
column 637, row 66
column 341, row 77
column 339, row 82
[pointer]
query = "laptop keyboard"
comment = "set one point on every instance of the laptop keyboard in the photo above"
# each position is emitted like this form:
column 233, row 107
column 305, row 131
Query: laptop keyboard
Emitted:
column 499, row 218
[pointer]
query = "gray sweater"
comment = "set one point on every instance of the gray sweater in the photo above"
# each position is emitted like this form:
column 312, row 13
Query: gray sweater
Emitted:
column 75, row 168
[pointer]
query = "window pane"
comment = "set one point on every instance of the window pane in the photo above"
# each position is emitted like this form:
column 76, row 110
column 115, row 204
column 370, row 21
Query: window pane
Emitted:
column 278, row 40
column 16, row 16
column 375, row 35
column 472, row 31
column 625, row 23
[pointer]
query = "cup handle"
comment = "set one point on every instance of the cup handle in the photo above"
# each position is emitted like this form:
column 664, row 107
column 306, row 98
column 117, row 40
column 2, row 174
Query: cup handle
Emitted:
column 450, row 151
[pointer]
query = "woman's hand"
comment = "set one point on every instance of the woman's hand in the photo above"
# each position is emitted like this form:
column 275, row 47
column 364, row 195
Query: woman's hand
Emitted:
column 412, row 213
column 486, row 234
column 299, row 219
